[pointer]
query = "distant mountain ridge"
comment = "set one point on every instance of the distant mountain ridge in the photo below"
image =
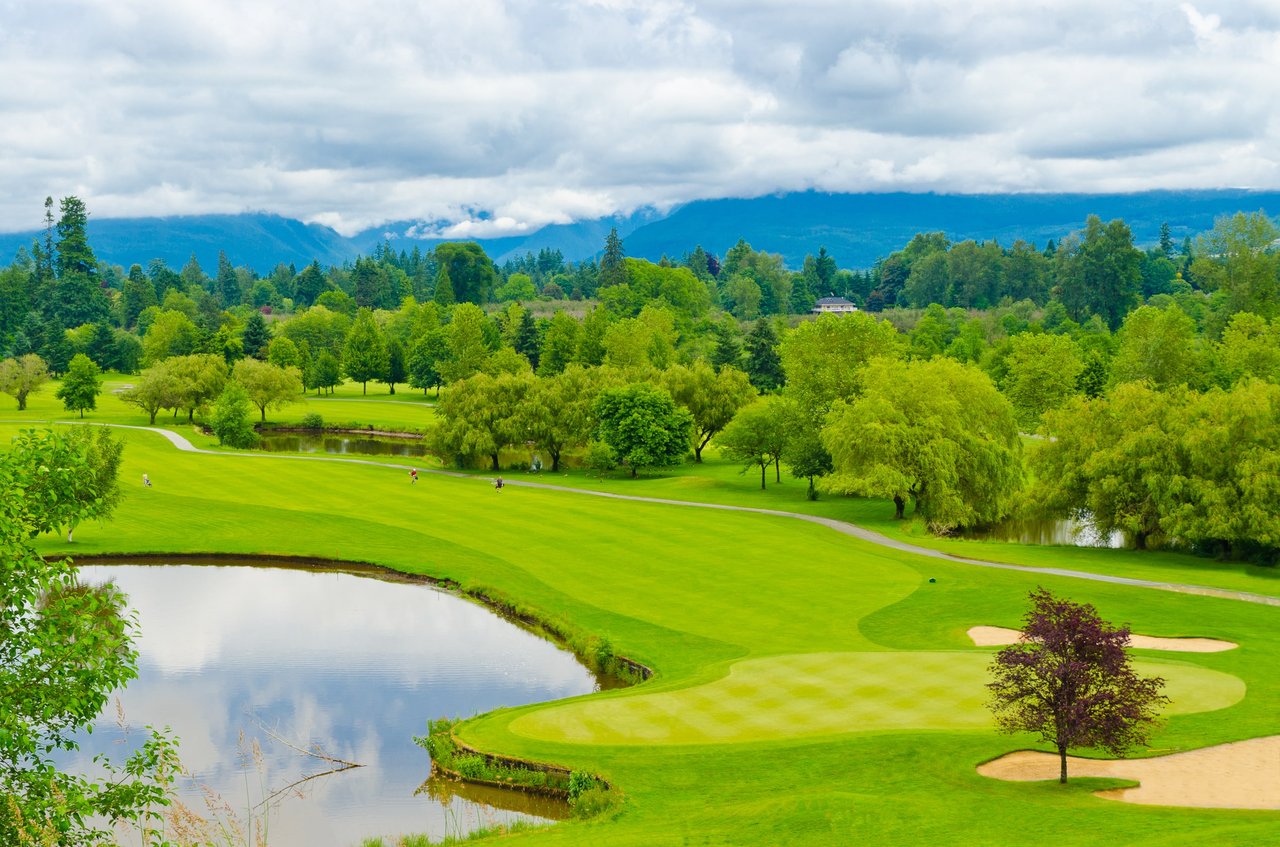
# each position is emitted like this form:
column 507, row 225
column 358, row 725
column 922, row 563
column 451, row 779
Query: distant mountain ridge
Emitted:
column 856, row 229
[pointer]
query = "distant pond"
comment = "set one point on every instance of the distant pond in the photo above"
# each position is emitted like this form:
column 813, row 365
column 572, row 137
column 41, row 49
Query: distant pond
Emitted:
column 1070, row 532
column 320, row 442
column 238, row 659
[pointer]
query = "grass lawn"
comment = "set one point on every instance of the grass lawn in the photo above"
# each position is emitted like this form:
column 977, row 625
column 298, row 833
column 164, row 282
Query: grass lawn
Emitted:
column 811, row 688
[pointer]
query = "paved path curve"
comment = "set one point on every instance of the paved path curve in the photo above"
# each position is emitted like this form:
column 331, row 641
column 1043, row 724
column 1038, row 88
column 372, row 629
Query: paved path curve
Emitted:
column 844, row 527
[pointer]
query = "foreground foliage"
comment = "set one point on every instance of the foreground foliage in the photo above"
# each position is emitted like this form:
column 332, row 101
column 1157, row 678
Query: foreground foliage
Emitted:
column 64, row 647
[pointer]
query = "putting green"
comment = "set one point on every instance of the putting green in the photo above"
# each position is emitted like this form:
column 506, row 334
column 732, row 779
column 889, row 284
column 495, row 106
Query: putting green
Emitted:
column 827, row 693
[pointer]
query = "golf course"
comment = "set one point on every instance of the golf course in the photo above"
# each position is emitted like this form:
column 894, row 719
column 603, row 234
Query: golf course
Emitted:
column 812, row 684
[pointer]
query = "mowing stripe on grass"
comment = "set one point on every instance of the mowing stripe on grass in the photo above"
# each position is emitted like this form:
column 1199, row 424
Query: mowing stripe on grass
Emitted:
column 828, row 693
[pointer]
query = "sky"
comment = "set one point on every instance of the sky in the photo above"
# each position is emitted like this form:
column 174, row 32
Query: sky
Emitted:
column 482, row 118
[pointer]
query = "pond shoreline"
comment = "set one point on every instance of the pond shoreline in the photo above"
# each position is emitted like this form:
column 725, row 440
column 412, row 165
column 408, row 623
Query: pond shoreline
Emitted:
column 626, row 672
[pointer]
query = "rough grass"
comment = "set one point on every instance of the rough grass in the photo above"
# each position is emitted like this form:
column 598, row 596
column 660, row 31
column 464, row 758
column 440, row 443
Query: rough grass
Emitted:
column 759, row 628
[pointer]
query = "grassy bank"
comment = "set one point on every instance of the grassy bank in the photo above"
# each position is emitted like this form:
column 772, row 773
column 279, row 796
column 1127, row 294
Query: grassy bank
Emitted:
column 810, row 688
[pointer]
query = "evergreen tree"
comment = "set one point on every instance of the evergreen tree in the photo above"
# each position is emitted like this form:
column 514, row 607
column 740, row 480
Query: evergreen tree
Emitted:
column 139, row 293
column 75, row 257
column 728, row 349
column 311, row 283
column 228, row 282
column 55, row 347
column 397, row 371
column 365, row 355
column 102, row 347
column 526, row 340
column 613, row 265
column 1166, row 242
column 764, row 365
column 256, row 336
column 444, row 288
column 193, row 276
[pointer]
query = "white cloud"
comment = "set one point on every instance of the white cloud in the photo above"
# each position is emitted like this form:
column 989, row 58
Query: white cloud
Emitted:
column 502, row 116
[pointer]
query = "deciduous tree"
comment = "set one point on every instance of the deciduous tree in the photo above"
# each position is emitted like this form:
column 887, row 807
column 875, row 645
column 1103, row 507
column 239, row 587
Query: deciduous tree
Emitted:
column 643, row 426
column 1071, row 681
column 267, row 384
column 712, row 398
column 936, row 431
column 20, row 376
column 80, row 385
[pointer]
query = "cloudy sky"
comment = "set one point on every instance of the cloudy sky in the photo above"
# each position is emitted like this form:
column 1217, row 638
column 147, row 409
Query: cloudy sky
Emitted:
column 503, row 116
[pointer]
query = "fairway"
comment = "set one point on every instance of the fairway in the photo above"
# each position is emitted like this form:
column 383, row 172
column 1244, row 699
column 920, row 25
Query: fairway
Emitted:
column 829, row 693
column 809, row 688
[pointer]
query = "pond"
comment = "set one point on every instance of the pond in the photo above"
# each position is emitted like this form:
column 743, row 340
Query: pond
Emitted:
column 1069, row 532
column 251, row 666
column 365, row 445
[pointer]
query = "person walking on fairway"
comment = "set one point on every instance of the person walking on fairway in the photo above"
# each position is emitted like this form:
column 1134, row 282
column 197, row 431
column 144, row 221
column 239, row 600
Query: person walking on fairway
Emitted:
column 146, row 481
column 413, row 475
column 497, row 484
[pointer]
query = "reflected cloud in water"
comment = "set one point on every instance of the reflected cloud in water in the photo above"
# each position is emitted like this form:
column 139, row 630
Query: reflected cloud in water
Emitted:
column 351, row 665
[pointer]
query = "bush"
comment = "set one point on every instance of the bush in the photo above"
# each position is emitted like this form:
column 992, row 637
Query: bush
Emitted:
column 600, row 457
column 312, row 420
column 232, row 421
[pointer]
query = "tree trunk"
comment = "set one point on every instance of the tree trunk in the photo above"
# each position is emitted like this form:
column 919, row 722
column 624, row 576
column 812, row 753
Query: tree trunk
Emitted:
column 494, row 457
column 813, row 491
column 1140, row 540
column 633, row 472
column 263, row 409
column 22, row 402
column 364, row 388
column 69, row 531
column 393, row 388
column 777, row 469
column 762, row 470
column 555, row 460
column 899, row 507
column 153, row 417
column 1062, row 757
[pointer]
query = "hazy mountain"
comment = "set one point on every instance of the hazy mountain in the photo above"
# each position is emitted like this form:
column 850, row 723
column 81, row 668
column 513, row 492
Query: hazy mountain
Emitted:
column 856, row 229
column 258, row 240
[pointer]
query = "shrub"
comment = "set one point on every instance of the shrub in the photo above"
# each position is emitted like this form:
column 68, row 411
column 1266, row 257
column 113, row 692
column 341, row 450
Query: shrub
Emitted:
column 232, row 419
column 312, row 420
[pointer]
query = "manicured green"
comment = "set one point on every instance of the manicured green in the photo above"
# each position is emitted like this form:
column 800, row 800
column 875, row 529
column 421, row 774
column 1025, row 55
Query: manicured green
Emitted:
column 810, row 688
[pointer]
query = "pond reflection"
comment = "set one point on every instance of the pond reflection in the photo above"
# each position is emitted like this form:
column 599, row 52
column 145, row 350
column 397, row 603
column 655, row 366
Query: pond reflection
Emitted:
column 352, row 666
column 363, row 445
column 1070, row 531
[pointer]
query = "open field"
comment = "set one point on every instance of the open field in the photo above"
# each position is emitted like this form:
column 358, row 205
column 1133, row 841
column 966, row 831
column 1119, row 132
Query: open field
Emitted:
column 811, row 687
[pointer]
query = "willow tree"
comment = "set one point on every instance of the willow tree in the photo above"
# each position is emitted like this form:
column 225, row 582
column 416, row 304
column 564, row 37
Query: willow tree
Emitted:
column 937, row 432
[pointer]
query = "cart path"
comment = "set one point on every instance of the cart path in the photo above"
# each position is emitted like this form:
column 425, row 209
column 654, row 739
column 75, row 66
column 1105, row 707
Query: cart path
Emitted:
column 181, row 443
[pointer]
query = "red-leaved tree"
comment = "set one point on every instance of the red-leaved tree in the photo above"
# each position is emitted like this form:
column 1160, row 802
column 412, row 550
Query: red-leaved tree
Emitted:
column 1070, row 680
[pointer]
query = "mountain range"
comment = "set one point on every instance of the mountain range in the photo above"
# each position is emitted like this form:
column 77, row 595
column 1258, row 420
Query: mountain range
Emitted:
column 856, row 229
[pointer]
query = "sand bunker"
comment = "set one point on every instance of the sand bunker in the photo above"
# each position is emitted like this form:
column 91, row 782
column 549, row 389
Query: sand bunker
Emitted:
column 996, row 636
column 1241, row 775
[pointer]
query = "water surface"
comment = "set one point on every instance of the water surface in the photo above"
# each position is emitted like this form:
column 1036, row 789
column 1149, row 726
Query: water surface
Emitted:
column 352, row 665
column 363, row 445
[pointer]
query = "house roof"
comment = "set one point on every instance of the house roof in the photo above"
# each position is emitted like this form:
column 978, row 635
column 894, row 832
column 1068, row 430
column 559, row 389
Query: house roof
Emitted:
column 833, row 301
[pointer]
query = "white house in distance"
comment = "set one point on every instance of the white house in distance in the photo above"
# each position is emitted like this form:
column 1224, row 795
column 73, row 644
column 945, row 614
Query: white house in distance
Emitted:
column 838, row 305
